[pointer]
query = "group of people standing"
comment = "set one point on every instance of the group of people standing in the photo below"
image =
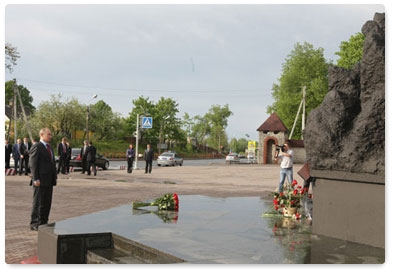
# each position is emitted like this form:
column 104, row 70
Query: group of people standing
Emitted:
column 39, row 158
column 20, row 153
column 148, row 158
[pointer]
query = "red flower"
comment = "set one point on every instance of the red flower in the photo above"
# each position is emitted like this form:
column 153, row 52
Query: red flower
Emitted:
column 166, row 202
column 294, row 182
column 297, row 216
column 295, row 192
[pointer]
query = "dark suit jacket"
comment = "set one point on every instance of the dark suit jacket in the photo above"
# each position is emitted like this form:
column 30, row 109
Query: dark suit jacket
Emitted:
column 23, row 150
column 8, row 151
column 42, row 166
column 91, row 154
column 148, row 155
column 60, row 150
column 15, row 151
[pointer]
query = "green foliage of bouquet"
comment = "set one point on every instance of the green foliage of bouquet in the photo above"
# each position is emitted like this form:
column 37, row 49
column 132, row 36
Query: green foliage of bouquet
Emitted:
column 169, row 201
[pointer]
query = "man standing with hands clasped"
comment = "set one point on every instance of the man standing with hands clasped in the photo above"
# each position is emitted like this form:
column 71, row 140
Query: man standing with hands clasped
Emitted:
column 148, row 157
column 44, row 176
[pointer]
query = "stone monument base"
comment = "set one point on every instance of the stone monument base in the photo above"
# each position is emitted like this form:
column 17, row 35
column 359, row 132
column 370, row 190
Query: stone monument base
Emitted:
column 350, row 206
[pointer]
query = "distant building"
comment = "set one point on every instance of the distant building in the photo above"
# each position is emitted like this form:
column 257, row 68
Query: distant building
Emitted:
column 272, row 133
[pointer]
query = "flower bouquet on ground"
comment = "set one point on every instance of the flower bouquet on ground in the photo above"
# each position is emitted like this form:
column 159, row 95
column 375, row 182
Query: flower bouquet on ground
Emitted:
column 288, row 202
column 169, row 201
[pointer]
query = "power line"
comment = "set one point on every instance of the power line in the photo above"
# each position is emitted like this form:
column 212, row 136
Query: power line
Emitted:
column 228, row 91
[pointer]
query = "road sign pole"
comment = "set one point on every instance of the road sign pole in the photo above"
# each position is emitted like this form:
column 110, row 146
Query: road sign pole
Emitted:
column 136, row 166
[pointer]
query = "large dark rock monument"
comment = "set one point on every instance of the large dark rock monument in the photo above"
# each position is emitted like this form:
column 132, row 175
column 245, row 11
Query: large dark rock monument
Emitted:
column 345, row 147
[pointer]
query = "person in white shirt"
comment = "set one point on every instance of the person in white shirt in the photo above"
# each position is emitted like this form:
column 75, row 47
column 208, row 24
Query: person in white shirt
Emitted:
column 286, row 166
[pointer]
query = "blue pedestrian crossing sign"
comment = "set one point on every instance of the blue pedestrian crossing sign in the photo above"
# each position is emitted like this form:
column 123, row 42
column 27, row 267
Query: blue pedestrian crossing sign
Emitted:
column 147, row 123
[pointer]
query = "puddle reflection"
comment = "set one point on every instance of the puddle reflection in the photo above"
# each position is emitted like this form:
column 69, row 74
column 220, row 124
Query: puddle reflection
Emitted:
column 170, row 217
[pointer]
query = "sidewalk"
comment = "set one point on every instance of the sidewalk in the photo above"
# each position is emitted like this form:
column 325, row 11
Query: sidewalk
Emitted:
column 77, row 194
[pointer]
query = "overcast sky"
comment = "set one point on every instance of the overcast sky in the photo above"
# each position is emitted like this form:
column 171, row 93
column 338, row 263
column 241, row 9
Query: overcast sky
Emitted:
column 198, row 55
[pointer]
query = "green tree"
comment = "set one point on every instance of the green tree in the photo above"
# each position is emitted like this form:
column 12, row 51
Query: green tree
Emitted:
column 304, row 66
column 142, row 106
column 169, row 125
column 351, row 51
column 11, row 56
column 105, row 123
column 166, row 127
column 27, row 99
column 200, row 129
column 217, row 118
column 63, row 118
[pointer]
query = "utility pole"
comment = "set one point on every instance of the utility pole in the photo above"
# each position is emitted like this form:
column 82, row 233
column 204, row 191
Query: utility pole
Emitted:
column 302, row 103
column 16, row 91
column 136, row 167
column 304, row 109
column 14, row 114
column 88, row 108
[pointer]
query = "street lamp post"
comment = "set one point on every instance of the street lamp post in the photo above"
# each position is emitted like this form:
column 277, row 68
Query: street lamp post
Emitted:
column 87, row 116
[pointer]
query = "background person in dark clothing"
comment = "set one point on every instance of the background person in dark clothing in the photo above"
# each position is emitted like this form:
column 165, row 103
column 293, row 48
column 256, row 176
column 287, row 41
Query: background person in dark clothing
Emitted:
column 83, row 156
column 130, row 153
column 62, row 153
column 148, row 157
column 8, row 152
column 91, row 158
column 24, row 153
column 68, row 158
column 16, row 154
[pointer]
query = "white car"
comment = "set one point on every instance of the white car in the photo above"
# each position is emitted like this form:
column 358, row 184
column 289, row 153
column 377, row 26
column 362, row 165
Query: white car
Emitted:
column 170, row 159
column 232, row 158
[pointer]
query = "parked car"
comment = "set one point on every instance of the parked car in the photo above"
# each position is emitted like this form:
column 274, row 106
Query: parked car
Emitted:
column 76, row 160
column 232, row 158
column 170, row 159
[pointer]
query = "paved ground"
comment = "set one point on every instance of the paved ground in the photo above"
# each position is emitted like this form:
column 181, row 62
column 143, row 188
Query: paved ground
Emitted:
column 77, row 194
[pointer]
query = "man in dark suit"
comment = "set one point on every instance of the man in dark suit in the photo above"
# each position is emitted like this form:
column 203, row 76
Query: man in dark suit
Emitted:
column 16, row 154
column 24, row 153
column 62, row 153
column 91, row 158
column 8, row 151
column 44, row 176
column 148, row 157
column 83, row 156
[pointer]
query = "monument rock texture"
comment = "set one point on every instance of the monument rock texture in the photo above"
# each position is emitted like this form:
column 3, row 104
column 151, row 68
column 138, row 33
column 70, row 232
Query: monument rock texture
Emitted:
column 347, row 131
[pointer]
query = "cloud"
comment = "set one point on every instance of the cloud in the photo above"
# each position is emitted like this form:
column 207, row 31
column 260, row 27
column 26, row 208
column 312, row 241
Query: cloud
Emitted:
column 199, row 55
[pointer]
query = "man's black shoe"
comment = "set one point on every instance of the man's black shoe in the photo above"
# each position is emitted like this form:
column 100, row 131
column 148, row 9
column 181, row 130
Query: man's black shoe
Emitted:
column 34, row 228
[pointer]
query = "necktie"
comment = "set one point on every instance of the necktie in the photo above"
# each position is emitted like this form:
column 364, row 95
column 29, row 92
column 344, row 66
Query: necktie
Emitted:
column 49, row 150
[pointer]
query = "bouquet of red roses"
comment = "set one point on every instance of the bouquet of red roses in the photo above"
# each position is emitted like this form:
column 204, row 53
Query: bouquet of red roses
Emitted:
column 169, row 201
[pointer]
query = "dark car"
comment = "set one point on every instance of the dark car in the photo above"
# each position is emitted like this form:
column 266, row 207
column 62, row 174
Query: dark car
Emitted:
column 76, row 160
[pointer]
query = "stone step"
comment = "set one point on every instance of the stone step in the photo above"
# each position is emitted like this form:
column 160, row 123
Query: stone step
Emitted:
column 126, row 251
column 111, row 256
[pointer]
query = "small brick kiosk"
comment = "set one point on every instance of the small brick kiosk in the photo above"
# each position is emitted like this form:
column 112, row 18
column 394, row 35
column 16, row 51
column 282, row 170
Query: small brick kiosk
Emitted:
column 273, row 132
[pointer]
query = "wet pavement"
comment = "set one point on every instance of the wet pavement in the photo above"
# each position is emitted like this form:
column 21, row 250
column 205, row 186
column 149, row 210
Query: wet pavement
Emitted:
column 230, row 230
column 78, row 195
